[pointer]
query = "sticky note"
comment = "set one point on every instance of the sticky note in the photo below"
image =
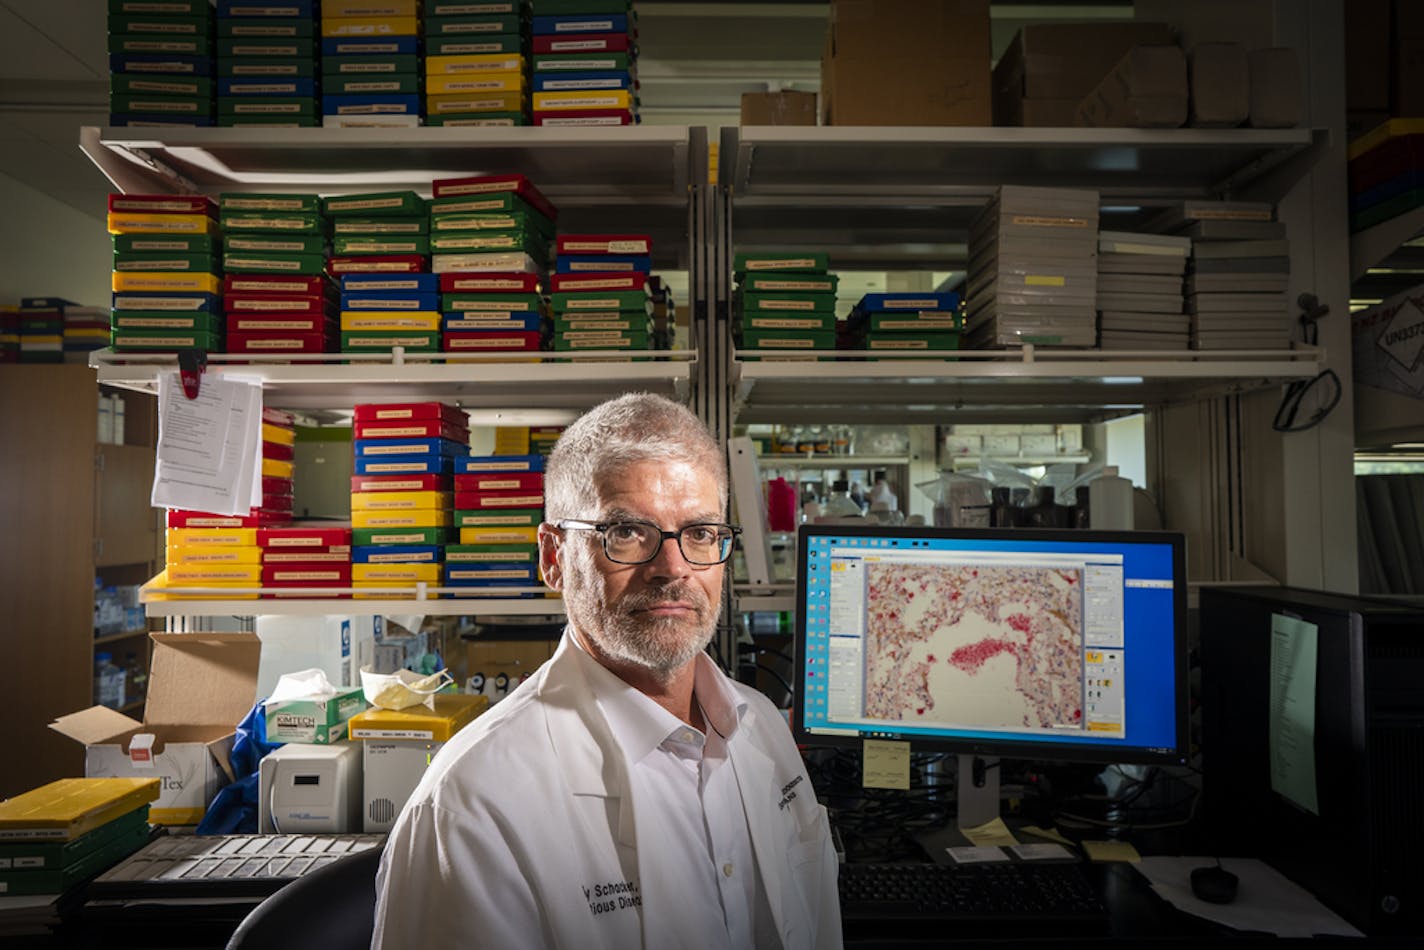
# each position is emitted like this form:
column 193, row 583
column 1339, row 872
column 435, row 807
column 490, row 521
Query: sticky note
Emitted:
column 992, row 834
column 977, row 855
column 886, row 764
column 1111, row 851
column 1042, row 852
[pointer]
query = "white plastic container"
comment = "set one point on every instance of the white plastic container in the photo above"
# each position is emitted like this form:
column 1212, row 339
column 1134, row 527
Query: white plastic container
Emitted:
column 1110, row 500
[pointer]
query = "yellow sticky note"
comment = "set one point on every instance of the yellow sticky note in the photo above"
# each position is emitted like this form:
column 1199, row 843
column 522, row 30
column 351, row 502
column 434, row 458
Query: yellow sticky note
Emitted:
column 992, row 834
column 1048, row 833
column 1111, row 851
column 886, row 764
column 1043, row 280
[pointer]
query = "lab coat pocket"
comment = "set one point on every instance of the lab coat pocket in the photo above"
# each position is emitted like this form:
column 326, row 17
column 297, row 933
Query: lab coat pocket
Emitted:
column 810, row 860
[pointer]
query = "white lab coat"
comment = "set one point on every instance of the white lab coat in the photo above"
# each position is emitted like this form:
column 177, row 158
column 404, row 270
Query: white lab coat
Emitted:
column 525, row 832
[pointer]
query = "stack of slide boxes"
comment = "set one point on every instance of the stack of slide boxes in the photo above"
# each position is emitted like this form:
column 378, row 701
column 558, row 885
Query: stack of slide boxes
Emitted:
column 501, row 243
column 1140, row 291
column 59, row 835
column 160, row 63
column 165, row 276
column 585, row 69
column 401, row 493
column 600, row 298
column 904, row 321
column 209, row 549
column 477, row 63
column 267, row 56
column 9, row 333
column 276, row 296
column 371, row 62
column 785, row 302
column 499, row 502
column 506, row 205
column 41, row 329
column 374, row 237
column 1033, row 275
column 1238, row 276
column 85, row 329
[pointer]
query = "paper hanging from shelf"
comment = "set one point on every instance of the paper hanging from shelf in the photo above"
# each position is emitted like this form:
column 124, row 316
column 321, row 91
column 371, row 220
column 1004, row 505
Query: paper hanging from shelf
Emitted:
column 209, row 446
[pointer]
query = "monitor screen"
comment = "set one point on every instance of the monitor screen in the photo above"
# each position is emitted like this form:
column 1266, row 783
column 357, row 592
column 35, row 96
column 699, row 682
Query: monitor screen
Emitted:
column 1011, row 642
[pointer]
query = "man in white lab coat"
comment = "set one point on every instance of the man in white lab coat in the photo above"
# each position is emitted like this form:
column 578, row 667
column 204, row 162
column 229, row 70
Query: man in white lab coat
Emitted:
column 628, row 794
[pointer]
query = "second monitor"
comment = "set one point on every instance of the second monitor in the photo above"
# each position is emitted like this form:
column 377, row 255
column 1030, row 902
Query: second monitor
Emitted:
column 1020, row 643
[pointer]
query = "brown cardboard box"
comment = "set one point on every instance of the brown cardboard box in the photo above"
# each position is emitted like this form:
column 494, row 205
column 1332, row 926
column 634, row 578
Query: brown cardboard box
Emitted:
column 1063, row 61
column 514, row 658
column 1252, row 23
column 201, row 686
column 1407, row 60
column 779, row 108
column 1220, row 79
column 1275, row 88
column 1147, row 89
column 906, row 62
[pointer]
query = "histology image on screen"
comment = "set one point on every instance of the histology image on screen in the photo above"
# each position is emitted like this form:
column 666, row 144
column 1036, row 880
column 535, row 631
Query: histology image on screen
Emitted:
column 975, row 645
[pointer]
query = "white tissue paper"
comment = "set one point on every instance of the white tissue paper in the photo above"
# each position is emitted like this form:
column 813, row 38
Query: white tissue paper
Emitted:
column 303, row 684
column 403, row 688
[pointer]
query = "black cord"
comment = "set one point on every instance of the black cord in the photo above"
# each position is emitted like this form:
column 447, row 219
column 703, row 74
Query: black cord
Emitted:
column 790, row 693
column 1289, row 409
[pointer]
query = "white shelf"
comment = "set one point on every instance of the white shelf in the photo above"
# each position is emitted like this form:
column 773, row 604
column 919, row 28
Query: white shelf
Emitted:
column 811, row 461
column 521, row 389
column 973, row 461
column 903, row 198
column 632, row 178
column 871, row 164
column 1027, row 385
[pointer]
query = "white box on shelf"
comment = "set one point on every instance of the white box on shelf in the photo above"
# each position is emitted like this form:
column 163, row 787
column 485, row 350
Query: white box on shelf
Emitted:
column 1001, row 445
column 963, row 444
column 1038, row 444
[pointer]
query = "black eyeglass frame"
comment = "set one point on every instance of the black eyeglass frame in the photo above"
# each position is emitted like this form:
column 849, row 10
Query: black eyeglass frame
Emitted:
column 602, row 527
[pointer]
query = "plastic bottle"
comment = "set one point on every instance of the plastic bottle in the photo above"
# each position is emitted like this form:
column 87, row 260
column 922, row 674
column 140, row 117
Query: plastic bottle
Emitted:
column 839, row 503
column 781, row 505
column 1110, row 500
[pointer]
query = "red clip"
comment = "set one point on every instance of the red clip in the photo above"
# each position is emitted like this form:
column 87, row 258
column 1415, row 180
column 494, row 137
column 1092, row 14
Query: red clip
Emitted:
column 191, row 364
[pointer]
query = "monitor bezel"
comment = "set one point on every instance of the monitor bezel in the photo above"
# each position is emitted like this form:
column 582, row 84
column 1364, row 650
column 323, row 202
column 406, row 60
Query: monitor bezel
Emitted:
column 1008, row 748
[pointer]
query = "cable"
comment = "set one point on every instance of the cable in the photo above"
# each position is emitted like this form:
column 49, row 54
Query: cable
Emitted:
column 1286, row 413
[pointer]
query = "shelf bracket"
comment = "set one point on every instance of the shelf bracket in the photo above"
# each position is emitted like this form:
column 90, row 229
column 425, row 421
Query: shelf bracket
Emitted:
column 118, row 170
column 1271, row 176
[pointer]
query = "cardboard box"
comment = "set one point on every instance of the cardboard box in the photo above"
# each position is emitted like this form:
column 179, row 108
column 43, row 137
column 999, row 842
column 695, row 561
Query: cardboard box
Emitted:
column 906, row 62
column 201, row 685
column 1147, row 89
column 779, row 108
column 514, row 659
column 1220, row 79
column 1252, row 23
column 1063, row 61
column 318, row 721
column 1275, row 95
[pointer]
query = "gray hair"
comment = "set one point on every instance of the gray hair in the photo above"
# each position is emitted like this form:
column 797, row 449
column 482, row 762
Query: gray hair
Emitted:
column 636, row 427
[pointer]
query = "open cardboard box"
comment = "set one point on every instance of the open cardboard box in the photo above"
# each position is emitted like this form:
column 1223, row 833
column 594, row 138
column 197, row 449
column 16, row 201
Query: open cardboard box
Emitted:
column 201, row 685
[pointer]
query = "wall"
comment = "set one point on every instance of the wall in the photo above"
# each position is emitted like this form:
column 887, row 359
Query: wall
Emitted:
column 58, row 252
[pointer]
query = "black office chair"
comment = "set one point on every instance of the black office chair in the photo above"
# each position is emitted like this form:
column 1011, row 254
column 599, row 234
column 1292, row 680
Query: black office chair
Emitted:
column 332, row 908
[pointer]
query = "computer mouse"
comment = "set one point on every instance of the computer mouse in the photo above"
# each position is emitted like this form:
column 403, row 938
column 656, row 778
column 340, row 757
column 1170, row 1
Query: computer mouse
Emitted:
column 1214, row 884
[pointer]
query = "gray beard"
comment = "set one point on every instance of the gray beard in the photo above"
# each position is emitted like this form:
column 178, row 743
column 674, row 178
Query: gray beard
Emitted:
column 661, row 645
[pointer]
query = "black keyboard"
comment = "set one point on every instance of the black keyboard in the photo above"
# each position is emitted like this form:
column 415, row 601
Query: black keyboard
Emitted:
column 1020, row 892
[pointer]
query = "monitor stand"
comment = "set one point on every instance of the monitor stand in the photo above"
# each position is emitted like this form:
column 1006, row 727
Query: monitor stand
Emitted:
column 977, row 790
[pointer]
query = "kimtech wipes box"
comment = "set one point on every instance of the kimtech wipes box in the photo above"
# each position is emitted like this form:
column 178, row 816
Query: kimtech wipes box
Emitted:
column 201, row 685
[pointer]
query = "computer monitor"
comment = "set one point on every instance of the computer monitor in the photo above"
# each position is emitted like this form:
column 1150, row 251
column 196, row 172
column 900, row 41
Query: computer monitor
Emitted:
column 1014, row 642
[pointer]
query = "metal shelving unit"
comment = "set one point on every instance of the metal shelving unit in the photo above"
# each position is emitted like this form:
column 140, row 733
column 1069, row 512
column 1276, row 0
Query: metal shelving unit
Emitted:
column 636, row 180
column 528, row 390
column 1027, row 385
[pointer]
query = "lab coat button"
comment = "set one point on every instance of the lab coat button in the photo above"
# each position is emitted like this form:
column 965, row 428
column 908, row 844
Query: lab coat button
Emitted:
column 727, row 869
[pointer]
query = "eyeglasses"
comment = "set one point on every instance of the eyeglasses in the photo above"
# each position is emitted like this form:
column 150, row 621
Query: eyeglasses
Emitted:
column 638, row 542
